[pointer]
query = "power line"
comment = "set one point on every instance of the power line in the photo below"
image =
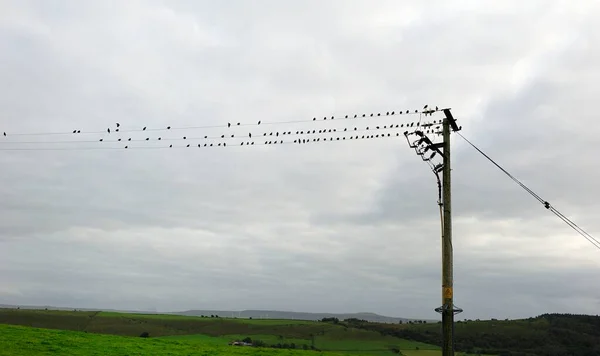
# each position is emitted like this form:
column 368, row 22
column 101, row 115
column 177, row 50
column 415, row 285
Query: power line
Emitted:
column 117, row 127
column 268, row 142
column 545, row 203
column 263, row 134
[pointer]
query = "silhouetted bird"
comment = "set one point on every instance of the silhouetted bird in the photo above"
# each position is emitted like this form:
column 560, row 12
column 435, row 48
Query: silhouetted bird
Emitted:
column 258, row 122
column 168, row 127
column 117, row 130
column 425, row 107
column 229, row 124
column 119, row 140
column 436, row 108
column 250, row 135
column 118, row 125
column 101, row 140
column 126, row 146
column 144, row 129
column 74, row 131
column 170, row 146
column 147, row 138
column 222, row 136
column 108, row 130
column 129, row 139
column 185, row 138
column 407, row 111
column 159, row 138
column 238, row 124
column 78, row 131
column 355, row 116
column 188, row 146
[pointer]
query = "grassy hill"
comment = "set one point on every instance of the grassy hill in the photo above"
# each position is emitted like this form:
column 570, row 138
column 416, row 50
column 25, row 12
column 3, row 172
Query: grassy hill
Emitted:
column 549, row 334
column 195, row 330
column 26, row 341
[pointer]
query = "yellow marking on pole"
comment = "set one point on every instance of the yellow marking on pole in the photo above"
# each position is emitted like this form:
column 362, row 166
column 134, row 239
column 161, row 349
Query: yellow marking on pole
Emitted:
column 447, row 292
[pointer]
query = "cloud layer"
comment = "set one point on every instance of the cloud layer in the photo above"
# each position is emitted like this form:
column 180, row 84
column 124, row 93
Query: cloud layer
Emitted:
column 342, row 227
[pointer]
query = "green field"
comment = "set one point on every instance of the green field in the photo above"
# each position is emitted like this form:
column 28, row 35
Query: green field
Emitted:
column 188, row 333
column 20, row 340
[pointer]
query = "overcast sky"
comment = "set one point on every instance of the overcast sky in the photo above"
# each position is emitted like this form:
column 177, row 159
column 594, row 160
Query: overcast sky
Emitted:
column 335, row 227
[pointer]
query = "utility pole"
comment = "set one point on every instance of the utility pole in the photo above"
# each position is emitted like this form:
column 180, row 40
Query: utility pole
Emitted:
column 442, row 149
column 447, row 266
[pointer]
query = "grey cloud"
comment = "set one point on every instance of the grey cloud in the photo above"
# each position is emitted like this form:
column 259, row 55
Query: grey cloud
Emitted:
column 342, row 228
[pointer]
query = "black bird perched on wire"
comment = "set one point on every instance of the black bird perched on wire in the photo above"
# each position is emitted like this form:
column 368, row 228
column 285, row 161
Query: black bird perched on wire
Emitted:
column 229, row 124
column 425, row 107
column 118, row 125
column 108, row 130
column 250, row 134
column 144, row 129
column 78, row 131
column 74, row 131
column 258, row 122
column 168, row 127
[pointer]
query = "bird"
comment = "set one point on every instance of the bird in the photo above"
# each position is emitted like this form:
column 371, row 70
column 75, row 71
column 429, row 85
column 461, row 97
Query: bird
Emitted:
column 416, row 111
column 258, row 122
column 144, row 129
column 314, row 118
column 126, row 146
column 199, row 145
column 170, row 146
column 78, row 131
column 392, row 113
column 147, row 138
column 345, row 117
column 425, row 107
column 129, row 139
column 74, row 131
column 101, row 140
column 238, row 124
column 168, row 127
column 118, row 125
column 232, row 136
column 117, row 130
column 355, row 116
column 159, row 138
column 108, row 130
column 222, row 136
column 250, row 134
column 229, row 124
column 188, row 146
column 119, row 140
column 407, row 111
column 436, row 108
column 184, row 137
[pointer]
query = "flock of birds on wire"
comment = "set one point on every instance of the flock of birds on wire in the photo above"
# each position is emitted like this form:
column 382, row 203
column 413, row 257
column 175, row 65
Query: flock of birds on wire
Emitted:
column 264, row 138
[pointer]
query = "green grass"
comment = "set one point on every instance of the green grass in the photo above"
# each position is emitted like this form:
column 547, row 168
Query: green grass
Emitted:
column 191, row 331
column 19, row 340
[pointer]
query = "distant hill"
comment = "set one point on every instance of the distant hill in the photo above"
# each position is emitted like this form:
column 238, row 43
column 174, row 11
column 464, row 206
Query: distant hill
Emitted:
column 276, row 314
column 255, row 314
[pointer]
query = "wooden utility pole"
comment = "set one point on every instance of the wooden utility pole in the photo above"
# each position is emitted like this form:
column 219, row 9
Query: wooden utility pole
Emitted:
column 447, row 272
column 422, row 146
